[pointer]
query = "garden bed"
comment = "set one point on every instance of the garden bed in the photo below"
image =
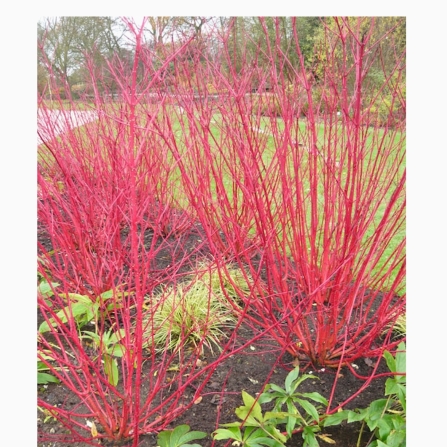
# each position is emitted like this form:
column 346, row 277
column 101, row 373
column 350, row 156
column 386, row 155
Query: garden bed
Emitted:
column 259, row 363
column 247, row 371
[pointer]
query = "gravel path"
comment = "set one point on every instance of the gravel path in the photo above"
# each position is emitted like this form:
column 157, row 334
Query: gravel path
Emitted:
column 51, row 123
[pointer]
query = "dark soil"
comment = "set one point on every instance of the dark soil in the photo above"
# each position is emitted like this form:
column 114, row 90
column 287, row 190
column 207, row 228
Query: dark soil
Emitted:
column 261, row 362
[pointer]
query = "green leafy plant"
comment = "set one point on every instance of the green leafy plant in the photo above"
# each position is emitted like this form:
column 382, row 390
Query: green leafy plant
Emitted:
column 262, row 429
column 386, row 418
column 187, row 314
column 308, row 418
column 109, row 343
column 82, row 308
column 43, row 378
column 258, row 428
column 45, row 289
column 180, row 436
column 45, row 357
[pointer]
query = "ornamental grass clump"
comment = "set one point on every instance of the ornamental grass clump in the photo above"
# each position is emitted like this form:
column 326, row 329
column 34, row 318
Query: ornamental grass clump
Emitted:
column 188, row 315
column 227, row 280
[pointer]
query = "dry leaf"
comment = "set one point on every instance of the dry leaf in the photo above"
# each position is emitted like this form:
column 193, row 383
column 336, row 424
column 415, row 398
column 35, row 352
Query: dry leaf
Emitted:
column 253, row 381
column 326, row 439
column 369, row 362
column 296, row 362
column 198, row 400
column 93, row 429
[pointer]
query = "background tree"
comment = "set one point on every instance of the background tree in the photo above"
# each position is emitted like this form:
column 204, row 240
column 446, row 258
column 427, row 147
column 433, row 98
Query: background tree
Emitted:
column 66, row 42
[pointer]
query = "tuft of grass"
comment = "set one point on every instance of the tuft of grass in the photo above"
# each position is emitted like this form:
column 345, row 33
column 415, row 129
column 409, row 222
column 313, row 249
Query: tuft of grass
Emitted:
column 228, row 281
column 188, row 314
column 399, row 327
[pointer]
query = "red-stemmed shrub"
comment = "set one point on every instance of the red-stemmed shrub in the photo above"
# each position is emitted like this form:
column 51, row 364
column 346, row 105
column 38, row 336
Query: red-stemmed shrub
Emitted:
column 113, row 231
column 316, row 207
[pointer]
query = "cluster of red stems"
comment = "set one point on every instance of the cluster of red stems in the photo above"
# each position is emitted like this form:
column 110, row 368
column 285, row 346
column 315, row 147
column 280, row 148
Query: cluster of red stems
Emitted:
column 307, row 204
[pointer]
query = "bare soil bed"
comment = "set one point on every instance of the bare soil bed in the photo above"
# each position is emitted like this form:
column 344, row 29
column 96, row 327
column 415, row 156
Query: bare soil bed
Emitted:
column 261, row 362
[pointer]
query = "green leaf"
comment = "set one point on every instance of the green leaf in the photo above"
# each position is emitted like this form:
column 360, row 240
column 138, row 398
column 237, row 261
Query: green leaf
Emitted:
column 392, row 386
column 46, row 289
column 401, row 359
column 44, row 327
column 251, row 408
column 180, row 436
column 309, row 437
column 190, row 436
column 317, row 397
column 62, row 315
column 78, row 298
column 177, row 434
column 359, row 415
column 390, row 361
column 173, row 438
column 43, row 378
column 377, row 408
column 275, row 433
column 277, row 390
column 93, row 336
column 163, row 438
column 291, row 377
column 107, row 295
column 292, row 419
column 262, row 441
column 111, row 369
column 267, row 397
column 277, row 415
column 232, row 424
column 309, row 409
column 336, row 418
column 118, row 350
column 396, row 438
column 223, row 433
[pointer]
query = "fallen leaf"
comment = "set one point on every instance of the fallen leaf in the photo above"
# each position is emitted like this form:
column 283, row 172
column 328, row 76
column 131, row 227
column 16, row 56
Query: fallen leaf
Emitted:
column 253, row 381
column 93, row 429
column 369, row 362
column 327, row 439
column 198, row 400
